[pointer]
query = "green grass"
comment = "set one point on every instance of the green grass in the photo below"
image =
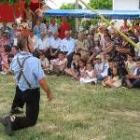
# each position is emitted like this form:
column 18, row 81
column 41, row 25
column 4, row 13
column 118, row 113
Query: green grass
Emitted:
column 79, row 112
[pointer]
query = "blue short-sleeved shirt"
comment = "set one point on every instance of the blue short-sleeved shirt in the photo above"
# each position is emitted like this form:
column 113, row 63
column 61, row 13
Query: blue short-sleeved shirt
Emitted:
column 32, row 70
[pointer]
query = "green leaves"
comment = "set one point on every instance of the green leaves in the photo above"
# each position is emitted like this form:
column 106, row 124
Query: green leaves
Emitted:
column 101, row 4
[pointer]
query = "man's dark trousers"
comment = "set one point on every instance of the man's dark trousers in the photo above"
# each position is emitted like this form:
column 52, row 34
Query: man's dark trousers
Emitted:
column 31, row 97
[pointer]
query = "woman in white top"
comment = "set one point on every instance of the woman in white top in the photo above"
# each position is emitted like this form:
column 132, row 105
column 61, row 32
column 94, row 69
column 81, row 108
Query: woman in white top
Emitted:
column 130, row 65
column 89, row 75
column 44, row 61
column 114, row 81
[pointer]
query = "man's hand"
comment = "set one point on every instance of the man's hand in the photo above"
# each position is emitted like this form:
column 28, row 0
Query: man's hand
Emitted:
column 50, row 96
column 43, row 83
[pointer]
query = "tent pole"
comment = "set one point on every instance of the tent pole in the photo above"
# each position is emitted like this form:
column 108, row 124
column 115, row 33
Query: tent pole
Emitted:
column 76, row 19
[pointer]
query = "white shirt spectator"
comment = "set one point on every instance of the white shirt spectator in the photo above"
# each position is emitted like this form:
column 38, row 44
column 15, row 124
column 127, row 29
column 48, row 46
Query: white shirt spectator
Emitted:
column 102, row 68
column 45, row 62
column 44, row 44
column 68, row 45
column 137, row 50
column 35, row 41
column 135, row 71
column 102, row 40
column 55, row 43
column 15, row 42
column 53, row 28
column 105, row 69
column 99, row 67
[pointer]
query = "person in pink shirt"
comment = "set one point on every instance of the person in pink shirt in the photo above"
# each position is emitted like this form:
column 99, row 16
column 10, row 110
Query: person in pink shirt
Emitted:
column 59, row 64
column 4, row 59
column 4, row 41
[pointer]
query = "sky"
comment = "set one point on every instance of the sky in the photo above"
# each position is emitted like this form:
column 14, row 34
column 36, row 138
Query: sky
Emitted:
column 57, row 3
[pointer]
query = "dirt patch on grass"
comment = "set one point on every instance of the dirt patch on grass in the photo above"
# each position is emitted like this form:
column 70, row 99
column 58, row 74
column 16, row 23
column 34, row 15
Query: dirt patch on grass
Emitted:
column 77, row 116
column 99, row 138
column 58, row 102
column 130, row 114
column 44, row 127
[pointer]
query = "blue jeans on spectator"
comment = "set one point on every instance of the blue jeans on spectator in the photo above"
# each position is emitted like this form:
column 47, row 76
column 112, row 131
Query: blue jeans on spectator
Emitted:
column 100, row 77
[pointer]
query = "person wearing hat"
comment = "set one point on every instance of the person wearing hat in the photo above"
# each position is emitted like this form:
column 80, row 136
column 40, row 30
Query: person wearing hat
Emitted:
column 98, row 64
column 99, row 67
column 102, row 69
column 110, row 28
column 30, row 77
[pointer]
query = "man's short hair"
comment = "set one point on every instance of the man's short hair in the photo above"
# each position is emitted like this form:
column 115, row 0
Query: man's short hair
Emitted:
column 22, row 42
column 14, row 24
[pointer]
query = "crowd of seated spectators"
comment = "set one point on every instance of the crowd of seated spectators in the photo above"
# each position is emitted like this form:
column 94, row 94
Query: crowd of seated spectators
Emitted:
column 100, row 56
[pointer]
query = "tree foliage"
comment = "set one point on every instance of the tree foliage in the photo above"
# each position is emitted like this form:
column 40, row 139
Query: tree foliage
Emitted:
column 101, row 4
column 68, row 6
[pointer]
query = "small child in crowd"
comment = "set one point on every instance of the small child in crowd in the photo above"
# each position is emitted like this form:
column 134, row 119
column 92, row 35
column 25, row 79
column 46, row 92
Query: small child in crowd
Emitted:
column 113, row 81
column 89, row 75
column 59, row 64
column 44, row 61
column 74, row 70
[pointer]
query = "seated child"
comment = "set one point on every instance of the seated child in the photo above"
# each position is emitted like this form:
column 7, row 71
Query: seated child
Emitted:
column 130, row 65
column 81, row 70
column 133, row 80
column 74, row 70
column 44, row 61
column 113, row 81
column 89, row 75
column 4, row 57
column 10, row 58
column 59, row 64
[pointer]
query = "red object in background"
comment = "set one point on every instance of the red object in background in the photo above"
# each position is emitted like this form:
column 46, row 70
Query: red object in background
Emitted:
column 34, row 1
column 6, row 12
column 64, row 27
column 35, row 4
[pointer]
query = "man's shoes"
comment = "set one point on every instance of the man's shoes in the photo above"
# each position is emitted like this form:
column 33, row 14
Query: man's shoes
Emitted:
column 15, row 111
column 6, row 122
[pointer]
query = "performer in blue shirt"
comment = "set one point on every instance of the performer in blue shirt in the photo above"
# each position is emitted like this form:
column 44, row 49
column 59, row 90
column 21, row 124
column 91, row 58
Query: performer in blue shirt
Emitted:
column 30, row 77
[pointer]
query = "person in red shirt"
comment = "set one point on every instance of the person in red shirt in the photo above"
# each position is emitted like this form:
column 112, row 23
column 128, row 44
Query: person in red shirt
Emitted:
column 64, row 26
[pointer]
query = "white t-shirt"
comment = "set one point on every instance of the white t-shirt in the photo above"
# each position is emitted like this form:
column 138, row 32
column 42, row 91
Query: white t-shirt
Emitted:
column 45, row 62
column 55, row 43
column 53, row 28
column 137, row 50
column 68, row 45
column 35, row 41
column 99, row 67
column 105, row 69
column 44, row 43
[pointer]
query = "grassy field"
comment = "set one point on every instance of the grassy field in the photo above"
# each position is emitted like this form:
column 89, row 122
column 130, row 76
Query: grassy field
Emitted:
column 79, row 112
